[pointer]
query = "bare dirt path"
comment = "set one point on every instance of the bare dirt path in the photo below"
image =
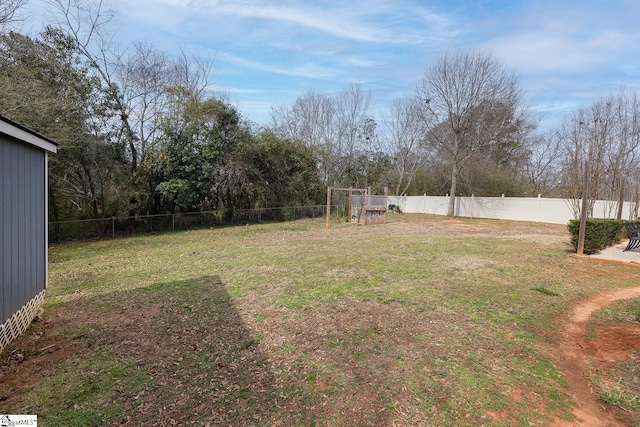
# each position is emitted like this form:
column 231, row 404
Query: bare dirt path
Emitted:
column 576, row 352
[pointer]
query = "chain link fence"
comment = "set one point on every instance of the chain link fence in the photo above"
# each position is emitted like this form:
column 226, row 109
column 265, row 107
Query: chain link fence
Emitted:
column 140, row 224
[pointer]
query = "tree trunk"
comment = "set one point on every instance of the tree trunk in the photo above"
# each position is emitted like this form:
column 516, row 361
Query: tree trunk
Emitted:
column 397, row 193
column 134, row 155
column 452, row 193
column 92, row 192
column 454, row 174
column 621, row 198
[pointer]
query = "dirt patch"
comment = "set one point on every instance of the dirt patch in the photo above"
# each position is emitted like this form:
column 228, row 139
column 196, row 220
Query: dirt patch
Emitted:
column 24, row 366
column 577, row 353
column 615, row 342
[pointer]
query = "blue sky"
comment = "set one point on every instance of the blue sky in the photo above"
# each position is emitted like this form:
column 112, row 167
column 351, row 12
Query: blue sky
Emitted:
column 266, row 53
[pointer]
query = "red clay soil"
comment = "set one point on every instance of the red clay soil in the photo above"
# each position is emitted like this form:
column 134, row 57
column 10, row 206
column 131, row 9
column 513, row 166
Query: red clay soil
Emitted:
column 577, row 352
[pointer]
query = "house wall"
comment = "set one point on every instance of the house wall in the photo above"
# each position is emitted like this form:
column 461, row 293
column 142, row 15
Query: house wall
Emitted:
column 23, row 244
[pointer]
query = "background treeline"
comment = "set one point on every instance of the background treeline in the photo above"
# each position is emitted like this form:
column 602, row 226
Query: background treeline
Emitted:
column 142, row 132
column 145, row 139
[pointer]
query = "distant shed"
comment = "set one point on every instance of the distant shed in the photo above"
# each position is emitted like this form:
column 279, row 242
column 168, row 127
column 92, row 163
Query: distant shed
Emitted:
column 23, row 226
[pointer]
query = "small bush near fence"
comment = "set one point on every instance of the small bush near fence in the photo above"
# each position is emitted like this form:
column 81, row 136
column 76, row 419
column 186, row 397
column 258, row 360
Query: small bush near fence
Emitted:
column 124, row 226
column 599, row 233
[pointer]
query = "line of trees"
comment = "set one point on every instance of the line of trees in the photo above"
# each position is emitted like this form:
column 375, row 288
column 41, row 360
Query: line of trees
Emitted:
column 599, row 148
column 467, row 129
column 141, row 132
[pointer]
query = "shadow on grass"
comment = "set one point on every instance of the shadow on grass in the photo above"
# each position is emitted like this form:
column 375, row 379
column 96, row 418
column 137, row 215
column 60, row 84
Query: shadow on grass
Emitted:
column 172, row 353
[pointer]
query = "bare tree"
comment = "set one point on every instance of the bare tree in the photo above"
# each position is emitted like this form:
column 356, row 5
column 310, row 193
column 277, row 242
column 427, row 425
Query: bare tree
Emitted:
column 587, row 138
column 604, row 138
column 9, row 11
column 137, row 82
column 87, row 24
column 309, row 120
column 143, row 79
column 572, row 160
column 543, row 171
column 337, row 127
column 405, row 140
column 353, row 130
column 473, row 102
column 622, row 157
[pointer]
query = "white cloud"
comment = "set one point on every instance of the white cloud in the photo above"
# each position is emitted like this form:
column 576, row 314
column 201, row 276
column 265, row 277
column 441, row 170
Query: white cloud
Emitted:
column 547, row 36
column 238, row 90
column 322, row 20
column 546, row 50
column 307, row 69
column 360, row 62
column 566, row 52
column 358, row 20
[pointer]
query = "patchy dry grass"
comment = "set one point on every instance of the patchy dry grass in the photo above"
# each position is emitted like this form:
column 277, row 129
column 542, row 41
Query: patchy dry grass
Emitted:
column 616, row 370
column 422, row 321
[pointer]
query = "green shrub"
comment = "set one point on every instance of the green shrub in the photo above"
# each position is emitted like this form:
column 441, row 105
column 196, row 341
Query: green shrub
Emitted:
column 599, row 233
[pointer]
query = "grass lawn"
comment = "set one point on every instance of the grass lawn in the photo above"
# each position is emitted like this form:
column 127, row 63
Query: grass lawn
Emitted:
column 423, row 321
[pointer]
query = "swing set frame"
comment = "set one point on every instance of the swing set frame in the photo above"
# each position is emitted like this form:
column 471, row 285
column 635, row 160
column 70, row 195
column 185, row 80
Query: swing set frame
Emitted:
column 362, row 191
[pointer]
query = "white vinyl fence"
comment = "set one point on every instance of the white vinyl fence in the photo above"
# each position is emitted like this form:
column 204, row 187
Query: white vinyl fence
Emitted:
column 537, row 209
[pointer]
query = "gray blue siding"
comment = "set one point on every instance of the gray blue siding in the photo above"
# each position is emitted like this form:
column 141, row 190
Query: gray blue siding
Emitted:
column 23, row 245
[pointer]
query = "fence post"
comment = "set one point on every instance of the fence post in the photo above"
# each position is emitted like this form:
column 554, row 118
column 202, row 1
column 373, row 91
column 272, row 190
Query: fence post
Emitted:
column 113, row 226
column 173, row 219
column 328, row 213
